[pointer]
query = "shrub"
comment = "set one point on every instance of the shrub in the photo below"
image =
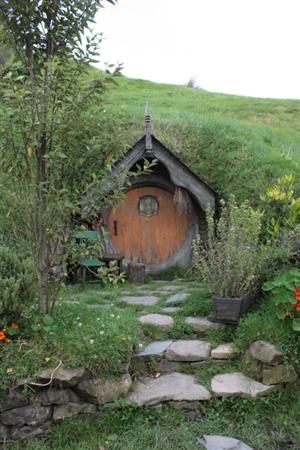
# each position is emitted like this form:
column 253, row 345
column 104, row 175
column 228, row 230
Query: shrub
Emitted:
column 111, row 275
column 286, row 289
column 266, row 323
column 281, row 208
column 17, row 284
column 231, row 259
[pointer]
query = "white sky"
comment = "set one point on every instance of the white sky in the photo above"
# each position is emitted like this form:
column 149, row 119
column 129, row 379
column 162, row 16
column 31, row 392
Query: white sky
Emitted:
column 244, row 47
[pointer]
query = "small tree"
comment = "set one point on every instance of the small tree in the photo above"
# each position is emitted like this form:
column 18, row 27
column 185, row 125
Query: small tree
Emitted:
column 51, row 128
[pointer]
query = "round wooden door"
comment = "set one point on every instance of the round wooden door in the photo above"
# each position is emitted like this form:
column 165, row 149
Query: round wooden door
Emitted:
column 147, row 227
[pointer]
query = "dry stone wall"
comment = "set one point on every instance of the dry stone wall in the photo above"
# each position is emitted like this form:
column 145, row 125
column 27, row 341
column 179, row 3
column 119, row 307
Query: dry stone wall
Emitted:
column 71, row 392
column 66, row 392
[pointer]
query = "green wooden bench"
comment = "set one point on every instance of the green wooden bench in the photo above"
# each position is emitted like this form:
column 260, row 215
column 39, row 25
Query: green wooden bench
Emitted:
column 92, row 261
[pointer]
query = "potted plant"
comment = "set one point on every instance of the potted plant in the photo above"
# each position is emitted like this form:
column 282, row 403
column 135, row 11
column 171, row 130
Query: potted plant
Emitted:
column 230, row 259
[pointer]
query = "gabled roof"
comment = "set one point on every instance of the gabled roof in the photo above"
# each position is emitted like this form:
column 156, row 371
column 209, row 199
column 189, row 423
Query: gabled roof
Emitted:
column 180, row 174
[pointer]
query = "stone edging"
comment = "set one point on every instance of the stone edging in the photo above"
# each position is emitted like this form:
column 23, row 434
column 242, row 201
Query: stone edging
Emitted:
column 75, row 391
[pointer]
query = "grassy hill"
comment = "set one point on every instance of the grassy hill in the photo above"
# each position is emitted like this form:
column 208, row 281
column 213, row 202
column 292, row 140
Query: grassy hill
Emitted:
column 237, row 144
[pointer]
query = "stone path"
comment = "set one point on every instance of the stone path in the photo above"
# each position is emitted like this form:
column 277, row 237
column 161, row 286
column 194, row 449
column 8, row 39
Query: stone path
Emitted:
column 173, row 356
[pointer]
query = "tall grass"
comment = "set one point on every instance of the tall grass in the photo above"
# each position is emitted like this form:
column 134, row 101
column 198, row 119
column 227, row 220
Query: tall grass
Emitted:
column 237, row 144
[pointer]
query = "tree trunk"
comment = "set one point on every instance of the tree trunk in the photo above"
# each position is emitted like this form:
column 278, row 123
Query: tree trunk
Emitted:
column 43, row 292
column 42, row 271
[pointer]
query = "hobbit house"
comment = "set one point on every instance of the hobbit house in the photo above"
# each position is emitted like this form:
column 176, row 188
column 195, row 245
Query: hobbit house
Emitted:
column 162, row 211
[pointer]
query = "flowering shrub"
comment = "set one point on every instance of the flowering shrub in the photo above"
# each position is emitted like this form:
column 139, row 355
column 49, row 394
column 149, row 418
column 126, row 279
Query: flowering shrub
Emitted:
column 230, row 259
column 281, row 208
column 287, row 290
column 7, row 332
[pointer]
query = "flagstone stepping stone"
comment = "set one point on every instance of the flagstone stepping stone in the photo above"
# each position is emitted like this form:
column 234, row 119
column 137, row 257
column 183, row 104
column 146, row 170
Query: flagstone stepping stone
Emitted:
column 158, row 320
column 177, row 298
column 99, row 305
column 237, row 384
column 171, row 309
column 222, row 443
column 203, row 325
column 147, row 300
column 156, row 348
column 169, row 288
column 224, row 351
column 170, row 387
column 187, row 351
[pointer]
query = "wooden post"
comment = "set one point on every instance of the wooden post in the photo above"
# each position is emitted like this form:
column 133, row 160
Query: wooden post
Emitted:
column 136, row 273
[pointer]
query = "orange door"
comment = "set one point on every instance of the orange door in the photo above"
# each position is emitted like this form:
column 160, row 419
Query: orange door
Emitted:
column 146, row 227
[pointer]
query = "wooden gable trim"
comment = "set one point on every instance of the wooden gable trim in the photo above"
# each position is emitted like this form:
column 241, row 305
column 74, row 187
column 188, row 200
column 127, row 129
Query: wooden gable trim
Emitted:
column 180, row 174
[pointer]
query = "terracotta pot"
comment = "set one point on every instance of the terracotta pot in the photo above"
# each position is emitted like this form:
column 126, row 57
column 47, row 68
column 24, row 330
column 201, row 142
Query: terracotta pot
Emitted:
column 229, row 310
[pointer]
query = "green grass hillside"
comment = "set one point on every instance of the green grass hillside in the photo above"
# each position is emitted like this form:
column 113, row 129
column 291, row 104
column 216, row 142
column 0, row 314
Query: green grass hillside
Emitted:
column 237, row 144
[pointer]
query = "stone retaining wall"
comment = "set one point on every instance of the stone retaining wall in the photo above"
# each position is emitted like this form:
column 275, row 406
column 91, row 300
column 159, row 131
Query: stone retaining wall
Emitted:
column 71, row 392
column 62, row 392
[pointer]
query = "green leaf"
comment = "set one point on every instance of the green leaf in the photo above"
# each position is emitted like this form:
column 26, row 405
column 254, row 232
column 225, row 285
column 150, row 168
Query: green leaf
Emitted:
column 47, row 329
column 48, row 320
column 296, row 325
column 290, row 286
column 269, row 285
column 293, row 301
column 13, row 331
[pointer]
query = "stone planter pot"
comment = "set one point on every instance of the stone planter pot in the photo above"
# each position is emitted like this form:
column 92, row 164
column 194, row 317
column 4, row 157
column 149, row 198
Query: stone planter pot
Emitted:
column 230, row 310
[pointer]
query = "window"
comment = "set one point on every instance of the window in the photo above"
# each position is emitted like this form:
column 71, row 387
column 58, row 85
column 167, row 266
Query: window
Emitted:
column 148, row 205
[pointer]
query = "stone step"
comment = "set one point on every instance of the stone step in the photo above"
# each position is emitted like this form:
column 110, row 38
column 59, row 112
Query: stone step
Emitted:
column 156, row 348
column 203, row 325
column 170, row 387
column 224, row 351
column 184, row 350
column 188, row 351
column 237, row 384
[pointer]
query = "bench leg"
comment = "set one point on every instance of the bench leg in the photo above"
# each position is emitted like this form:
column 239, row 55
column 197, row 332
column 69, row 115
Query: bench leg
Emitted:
column 83, row 275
